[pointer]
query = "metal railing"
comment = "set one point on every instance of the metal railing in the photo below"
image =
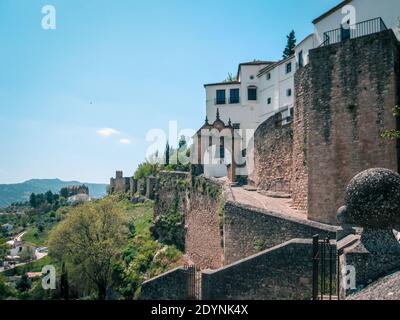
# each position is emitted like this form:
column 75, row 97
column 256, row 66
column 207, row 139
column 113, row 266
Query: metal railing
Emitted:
column 357, row 30
column 326, row 281
column 193, row 282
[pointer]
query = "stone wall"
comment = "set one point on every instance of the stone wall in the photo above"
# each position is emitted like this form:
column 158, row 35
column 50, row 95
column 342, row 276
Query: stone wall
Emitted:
column 120, row 183
column 172, row 285
column 299, row 183
column 281, row 273
column 249, row 230
column 354, row 87
column 200, row 202
column 273, row 155
column 204, row 228
column 168, row 187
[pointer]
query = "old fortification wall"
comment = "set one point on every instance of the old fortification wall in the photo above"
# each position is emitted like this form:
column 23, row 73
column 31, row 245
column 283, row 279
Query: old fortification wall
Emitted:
column 299, row 183
column 352, row 94
column 248, row 230
column 217, row 230
column 199, row 202
column 273, row 156
column 281, row 273
column 204, row 243
column 172, row 285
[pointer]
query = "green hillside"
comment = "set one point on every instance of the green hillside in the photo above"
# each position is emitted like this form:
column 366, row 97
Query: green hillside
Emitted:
column 10, row 193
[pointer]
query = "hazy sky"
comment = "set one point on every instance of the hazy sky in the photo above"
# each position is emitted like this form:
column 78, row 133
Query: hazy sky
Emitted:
column 76, row 102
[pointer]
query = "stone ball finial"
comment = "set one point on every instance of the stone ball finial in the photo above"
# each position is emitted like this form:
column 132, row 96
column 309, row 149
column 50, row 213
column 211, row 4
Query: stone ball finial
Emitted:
column 372, row 200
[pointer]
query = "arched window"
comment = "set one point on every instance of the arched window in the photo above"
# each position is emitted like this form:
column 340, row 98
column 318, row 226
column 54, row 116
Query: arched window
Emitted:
column 252, row 93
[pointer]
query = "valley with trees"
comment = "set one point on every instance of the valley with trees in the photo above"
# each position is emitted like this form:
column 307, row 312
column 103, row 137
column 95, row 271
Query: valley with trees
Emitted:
column 101, row 249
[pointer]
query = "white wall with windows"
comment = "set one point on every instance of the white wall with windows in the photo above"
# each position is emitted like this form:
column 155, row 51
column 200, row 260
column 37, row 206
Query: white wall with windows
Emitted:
column 276, row 88
column 238, row 101
column 302, row 50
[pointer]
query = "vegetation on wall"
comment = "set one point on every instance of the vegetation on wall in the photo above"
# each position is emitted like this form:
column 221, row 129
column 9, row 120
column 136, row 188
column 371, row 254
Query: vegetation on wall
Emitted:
column 393, row 134
column 144, row 257
column 169, row 227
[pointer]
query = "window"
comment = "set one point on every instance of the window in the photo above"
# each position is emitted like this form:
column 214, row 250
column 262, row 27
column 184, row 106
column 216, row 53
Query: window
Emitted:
column 301, row 59
column 236, row 126
column 251, row 77
column 269, row 100
column 234, row 96
column 289, row 67
column 252, row 93
column 269, row 76
column 221, row 152
column 289, row 92
column 220, row 97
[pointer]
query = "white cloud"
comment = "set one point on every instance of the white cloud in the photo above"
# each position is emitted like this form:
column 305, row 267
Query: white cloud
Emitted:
column 107, row 132
column 125, row 141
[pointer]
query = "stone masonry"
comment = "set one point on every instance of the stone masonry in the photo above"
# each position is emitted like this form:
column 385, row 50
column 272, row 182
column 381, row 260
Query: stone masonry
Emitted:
column 119, row 183
column 273, row 156
column 348, row 93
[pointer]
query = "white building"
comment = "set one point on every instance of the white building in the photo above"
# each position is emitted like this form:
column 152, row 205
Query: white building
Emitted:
column 363, row 16
column 7, row 227
column 238, row 100
column 264, row 88
column 79, row 198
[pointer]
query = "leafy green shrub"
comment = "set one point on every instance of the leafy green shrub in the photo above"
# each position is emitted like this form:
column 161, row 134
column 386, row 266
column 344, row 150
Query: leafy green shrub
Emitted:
column 169, row 227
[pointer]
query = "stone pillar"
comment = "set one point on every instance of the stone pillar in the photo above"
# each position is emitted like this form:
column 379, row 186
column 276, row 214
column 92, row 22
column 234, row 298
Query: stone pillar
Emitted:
column 373, row 203
column 150, row 186
column 111, row 187
column 132, row 187
column 141, row 187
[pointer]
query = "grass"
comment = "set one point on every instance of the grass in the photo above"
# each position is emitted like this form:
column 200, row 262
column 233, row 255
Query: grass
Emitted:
column 35, row 237
column 141, row 215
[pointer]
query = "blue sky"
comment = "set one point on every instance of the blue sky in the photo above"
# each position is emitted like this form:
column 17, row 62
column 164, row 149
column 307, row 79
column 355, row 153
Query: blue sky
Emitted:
column 127, row 65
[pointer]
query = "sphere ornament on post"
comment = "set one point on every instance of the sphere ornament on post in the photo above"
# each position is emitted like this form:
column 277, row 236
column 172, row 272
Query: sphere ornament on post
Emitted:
column 372, row 202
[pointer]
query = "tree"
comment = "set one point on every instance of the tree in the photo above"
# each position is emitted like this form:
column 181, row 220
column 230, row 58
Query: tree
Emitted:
column 182, row 143
column 64, row 284
column 32, row 200
column 89, row 240
column 230, row 78
column 64, row 192
column 291, row 44
column 6, row 291
column 23, row 284
column 145, row 170
column 49, row 197
column 3, row 247
column 167, row 151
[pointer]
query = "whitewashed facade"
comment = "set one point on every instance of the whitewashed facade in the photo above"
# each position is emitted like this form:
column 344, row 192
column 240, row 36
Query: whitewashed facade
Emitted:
column 274, row 85
column 238, row 100
column 357, row 12
column 273, row 82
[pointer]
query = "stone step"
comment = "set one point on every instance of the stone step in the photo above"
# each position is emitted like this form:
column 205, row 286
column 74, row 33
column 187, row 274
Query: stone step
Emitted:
column 275, row 194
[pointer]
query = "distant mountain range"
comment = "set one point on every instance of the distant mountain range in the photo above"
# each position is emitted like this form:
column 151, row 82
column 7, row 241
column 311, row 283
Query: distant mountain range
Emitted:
column 10, row 193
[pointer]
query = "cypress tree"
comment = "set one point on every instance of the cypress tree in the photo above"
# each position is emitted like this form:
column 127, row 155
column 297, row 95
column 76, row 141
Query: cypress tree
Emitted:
column 291, row 44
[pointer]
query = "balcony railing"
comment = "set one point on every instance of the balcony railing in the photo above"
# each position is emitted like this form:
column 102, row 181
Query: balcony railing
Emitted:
column 354, row 31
